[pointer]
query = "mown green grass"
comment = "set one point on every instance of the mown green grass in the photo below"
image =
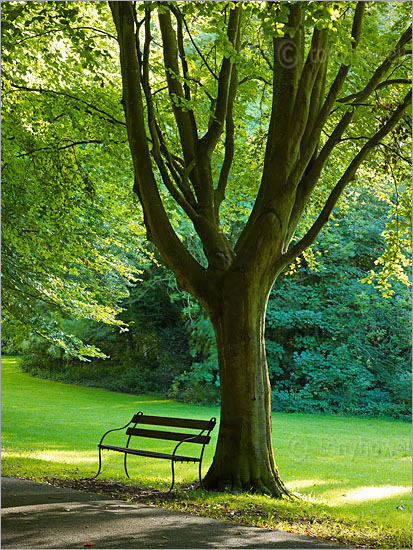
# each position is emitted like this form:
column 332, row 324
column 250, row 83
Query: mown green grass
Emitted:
column 354, row 474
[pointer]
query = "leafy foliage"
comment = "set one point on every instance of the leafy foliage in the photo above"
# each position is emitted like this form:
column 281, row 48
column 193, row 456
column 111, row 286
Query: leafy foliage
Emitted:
column 144, row 359
column 70, row 230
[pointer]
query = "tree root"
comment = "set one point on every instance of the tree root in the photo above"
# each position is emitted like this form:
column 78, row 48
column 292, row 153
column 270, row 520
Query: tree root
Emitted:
column 271, row 487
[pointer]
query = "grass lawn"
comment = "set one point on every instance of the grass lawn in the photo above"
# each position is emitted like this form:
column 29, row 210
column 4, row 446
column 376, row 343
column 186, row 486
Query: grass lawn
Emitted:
column 354, row 474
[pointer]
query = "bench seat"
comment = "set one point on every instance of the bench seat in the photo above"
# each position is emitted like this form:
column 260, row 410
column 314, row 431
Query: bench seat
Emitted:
column 150, row 454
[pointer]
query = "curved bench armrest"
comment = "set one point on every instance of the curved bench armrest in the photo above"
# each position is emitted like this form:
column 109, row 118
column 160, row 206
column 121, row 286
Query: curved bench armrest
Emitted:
column 187, row 440
column 118, row 429
column 114, row 430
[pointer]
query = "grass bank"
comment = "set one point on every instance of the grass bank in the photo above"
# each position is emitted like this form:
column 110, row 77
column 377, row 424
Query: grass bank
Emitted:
column 354, row 474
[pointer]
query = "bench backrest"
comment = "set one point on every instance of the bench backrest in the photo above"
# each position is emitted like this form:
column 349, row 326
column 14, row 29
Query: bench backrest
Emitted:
column 205, row 427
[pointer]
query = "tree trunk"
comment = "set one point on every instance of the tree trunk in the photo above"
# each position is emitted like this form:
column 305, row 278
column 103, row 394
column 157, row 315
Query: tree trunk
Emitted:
column 244, row 459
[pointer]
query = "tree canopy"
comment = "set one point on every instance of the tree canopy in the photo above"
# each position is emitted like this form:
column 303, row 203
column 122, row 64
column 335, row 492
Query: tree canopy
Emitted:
column 56, row 122
column 68, row 241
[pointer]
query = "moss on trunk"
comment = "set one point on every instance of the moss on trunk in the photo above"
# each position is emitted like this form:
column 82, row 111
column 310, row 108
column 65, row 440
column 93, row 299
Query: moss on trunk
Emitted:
column 244, row 459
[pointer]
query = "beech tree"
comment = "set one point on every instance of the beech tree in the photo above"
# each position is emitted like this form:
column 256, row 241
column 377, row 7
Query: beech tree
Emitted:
column 235, row 283
column 223, row 101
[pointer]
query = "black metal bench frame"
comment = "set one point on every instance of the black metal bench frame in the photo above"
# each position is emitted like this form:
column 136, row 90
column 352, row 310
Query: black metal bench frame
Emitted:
column 203, row 438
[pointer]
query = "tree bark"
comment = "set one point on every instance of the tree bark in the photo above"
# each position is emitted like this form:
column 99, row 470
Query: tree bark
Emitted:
column 244, row 459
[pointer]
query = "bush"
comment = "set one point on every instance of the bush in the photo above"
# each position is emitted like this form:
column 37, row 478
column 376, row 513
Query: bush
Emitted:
column 145, row 359
column 334, row 343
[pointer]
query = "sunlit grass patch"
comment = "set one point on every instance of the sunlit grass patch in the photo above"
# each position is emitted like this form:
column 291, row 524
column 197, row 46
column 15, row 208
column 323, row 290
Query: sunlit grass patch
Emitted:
column 53, row 455
column 370, row 493
column 353, row 475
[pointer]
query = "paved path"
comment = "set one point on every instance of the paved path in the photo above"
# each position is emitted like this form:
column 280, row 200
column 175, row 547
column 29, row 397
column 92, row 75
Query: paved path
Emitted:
column 37, row 516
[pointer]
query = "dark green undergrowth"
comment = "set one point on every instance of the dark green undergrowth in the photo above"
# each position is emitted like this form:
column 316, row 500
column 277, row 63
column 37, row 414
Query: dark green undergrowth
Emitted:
column 144, row 359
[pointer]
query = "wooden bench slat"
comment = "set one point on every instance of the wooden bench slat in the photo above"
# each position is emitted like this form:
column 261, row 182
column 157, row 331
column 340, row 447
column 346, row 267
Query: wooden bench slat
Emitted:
column 171, row 436
column 150, row 454
column 173, row 422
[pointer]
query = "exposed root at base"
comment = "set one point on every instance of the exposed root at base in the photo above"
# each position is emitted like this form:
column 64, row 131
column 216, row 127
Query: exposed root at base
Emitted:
column 273, row 488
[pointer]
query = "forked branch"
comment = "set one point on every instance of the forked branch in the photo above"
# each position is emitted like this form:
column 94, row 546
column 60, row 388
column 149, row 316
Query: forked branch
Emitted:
column 187, row 270
column 311, row 177
column 345, row 179
column 210, row 139
column 229, row 133
column 183, row 113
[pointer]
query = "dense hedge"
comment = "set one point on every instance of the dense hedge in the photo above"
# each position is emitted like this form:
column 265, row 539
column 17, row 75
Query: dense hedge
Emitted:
column 350, row 355
column 335, row 344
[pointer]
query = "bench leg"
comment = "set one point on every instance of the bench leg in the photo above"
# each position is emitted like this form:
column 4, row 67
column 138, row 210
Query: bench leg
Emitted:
column 173, row 476
column 200, row 476
column 200, row 465
column 100, row 464
column 124, row 463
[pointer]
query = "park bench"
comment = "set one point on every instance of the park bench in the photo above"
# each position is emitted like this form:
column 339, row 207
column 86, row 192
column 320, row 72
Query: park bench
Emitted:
column 202, row 436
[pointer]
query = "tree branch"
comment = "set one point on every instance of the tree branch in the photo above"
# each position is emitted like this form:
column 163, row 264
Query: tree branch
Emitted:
column 53, row 148
column 184, row 116
column 408, row 160
column 158, row 144
column 144, row 63
column 159, row 148
column 110, row 117
column 259, row 78
column 353, row 97
column 346, row 178
column 288, row 61
column 343, row 70
column 181, row 200
column 209, row 140
column 187, row 270
column 198, row 50
column 318, row 119
column 181, row 49
column 311, row 177
column 315, row 59
column 266, row 59
column 229, row 134
column 101, row 31
column 180, row 173
column 374, row 82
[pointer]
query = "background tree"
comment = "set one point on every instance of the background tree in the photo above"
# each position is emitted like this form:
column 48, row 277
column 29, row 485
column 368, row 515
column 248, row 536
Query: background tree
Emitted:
column 307, row 87
column 70, row 244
